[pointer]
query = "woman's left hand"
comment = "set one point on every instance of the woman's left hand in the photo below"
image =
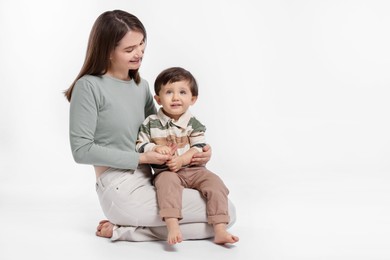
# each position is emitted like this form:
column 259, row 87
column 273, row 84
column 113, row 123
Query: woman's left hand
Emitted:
column 203, row 157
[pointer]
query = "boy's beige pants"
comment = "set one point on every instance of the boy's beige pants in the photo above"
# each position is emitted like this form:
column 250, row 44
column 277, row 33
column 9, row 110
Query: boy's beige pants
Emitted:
column 170, row 186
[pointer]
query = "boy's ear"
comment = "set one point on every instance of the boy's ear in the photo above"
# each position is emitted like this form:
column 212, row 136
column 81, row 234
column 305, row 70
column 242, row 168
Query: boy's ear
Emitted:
column 157, row 98
column 193, row 100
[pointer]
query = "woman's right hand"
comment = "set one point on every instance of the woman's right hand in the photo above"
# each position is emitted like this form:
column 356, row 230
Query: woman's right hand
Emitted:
column 153, row 158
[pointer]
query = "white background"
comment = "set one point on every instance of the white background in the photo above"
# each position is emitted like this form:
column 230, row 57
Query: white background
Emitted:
column 295, row 96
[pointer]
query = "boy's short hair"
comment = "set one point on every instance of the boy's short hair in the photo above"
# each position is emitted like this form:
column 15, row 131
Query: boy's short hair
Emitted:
column 175, row 74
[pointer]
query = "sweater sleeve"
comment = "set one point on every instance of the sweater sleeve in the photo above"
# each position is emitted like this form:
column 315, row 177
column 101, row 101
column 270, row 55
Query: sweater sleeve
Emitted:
column 82, row 124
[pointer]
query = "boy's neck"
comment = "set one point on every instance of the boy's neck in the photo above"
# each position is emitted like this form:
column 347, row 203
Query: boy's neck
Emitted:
column 175, row 118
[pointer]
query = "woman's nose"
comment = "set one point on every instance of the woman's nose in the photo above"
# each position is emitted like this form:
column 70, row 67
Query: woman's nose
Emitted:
column 140, row 51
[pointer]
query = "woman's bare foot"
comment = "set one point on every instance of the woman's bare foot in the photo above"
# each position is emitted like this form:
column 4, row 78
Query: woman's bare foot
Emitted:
column 105, row 229
column 222, row 236
column 174, row 232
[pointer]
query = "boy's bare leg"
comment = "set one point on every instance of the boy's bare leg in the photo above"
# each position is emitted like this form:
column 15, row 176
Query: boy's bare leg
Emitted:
column 105, row 229
column 174, row 233
column 222, row 236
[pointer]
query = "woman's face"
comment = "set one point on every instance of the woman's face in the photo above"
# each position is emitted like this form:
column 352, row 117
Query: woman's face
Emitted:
column 128, row 54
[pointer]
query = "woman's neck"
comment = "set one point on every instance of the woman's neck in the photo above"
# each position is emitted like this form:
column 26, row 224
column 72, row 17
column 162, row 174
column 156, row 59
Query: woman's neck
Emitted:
column 118, row 75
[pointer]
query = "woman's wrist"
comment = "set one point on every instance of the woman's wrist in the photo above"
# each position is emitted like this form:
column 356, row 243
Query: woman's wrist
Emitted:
column 141, row 159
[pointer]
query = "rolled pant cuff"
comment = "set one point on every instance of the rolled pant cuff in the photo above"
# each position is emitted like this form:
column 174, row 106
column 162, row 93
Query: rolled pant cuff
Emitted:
column 171, row 213
column 218, row 219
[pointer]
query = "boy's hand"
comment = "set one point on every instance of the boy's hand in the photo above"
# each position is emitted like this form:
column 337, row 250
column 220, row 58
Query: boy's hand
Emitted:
column 175, row 163
column 173, row 149
column 163, row 149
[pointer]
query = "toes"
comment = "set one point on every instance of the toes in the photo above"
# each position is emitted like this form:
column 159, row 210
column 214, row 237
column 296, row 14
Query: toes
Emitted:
column 99, row 227
column 101, row 224
column 102, row 228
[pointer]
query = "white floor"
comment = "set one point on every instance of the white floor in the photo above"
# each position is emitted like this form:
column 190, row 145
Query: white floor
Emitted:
column 298, row 216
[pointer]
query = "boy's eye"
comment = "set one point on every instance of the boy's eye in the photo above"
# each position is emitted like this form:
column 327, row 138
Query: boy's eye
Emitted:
column 183, row 92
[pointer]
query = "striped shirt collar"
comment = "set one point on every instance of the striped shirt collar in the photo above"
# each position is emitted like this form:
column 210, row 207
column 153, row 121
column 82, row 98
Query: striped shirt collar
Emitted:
column 182, row 122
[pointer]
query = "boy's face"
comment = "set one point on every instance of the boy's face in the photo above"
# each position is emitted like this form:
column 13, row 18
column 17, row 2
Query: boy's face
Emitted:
column 175, row 98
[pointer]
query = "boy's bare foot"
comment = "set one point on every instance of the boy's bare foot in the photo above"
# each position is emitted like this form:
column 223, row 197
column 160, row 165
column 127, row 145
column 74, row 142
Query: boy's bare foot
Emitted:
column 222, row 236
column 174, row 232
column 105, row 229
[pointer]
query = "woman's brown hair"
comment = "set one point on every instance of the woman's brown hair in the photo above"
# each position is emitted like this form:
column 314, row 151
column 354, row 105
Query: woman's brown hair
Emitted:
column 109, row 28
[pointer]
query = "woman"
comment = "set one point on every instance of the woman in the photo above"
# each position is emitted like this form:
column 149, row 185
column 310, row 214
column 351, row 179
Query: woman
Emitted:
column 108, row 102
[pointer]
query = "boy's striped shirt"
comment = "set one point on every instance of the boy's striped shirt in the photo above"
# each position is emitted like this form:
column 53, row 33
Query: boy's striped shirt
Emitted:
column 159, row 129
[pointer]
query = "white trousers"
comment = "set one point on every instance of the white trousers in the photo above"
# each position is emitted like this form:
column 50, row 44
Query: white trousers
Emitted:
column 128, row 200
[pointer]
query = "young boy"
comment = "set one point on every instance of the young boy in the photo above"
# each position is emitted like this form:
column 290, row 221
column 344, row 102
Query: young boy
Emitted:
column 173, row 130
